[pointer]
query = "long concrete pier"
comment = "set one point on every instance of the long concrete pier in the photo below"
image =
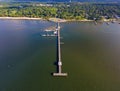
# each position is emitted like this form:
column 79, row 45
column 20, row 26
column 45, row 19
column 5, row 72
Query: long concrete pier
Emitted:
column 59, row 62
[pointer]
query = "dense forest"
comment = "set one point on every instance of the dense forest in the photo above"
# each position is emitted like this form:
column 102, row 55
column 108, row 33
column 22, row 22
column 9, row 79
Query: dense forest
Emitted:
column 78, row 11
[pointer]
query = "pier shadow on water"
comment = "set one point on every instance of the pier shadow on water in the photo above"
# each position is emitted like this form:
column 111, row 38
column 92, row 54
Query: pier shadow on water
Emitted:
column 57, row 58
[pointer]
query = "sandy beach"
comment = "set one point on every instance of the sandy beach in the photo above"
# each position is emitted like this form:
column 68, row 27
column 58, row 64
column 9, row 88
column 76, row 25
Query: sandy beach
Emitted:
column 28, row 18
column 21, row 18
column 50, row 19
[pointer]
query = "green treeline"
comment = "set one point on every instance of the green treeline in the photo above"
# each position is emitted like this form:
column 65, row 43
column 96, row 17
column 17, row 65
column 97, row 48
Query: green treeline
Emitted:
column 76, row 11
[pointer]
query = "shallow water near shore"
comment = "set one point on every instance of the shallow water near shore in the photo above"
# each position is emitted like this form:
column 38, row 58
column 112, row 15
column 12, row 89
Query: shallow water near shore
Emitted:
column 90, row 56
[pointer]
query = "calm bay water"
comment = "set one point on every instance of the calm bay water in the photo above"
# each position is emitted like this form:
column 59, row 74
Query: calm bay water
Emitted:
column 90, row 55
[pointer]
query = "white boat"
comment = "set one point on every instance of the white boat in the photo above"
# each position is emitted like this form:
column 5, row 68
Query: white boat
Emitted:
column 44, row 35
column 55, row 32
column 52, row 35
column 47, row 30
column 48, row 35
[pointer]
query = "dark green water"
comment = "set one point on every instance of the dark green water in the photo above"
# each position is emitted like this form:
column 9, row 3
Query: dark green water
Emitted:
column 90, row 55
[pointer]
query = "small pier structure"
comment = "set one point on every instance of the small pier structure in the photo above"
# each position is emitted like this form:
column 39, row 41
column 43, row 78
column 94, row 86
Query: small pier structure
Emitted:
column 59, row 61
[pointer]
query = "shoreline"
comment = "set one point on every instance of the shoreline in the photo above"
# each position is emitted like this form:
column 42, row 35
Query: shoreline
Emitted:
column 51, row 19
column 29, row 18
column 21, row 18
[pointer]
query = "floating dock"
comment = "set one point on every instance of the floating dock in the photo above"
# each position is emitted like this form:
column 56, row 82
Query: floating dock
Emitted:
column 59, row 62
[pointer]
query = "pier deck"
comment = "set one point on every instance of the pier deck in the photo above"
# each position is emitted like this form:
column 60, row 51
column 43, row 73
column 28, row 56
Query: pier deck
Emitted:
column 59, row 73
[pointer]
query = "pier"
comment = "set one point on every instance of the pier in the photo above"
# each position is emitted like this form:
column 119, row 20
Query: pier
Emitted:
column 59, row 61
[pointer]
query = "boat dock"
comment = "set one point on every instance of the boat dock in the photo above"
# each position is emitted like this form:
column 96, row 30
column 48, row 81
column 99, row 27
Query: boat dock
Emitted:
column 59, row 62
